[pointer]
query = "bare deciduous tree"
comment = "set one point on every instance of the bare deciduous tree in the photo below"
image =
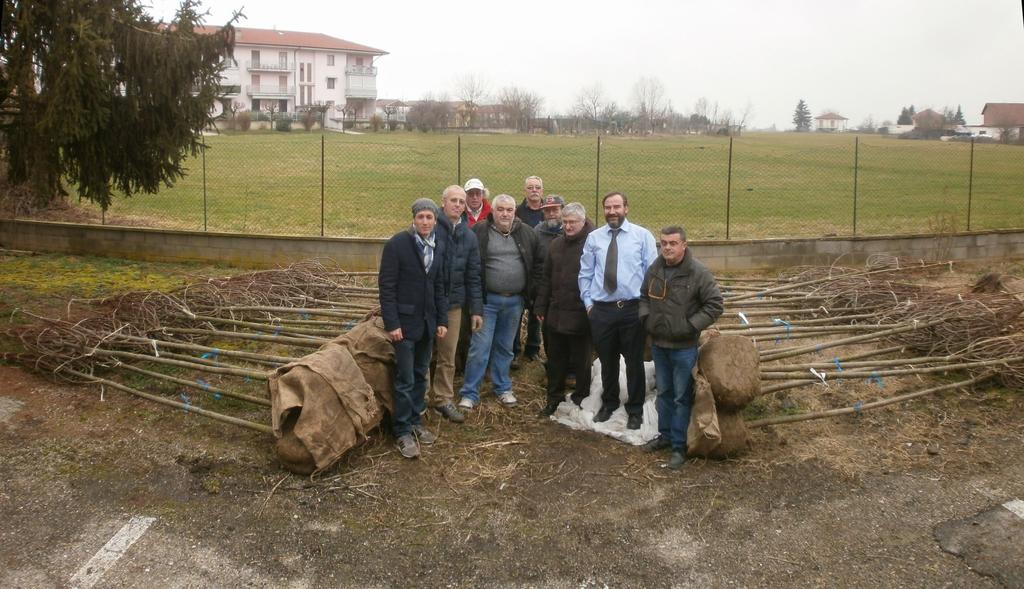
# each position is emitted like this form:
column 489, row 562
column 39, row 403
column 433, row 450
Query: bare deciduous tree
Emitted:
column 471, row 89
column 650, row 103
column 520, row 106
column 590, row 103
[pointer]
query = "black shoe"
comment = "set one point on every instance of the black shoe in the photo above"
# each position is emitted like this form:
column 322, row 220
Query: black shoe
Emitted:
column 530, row 357
column 634, row 421
column 548, row 410
column 450, row 412
column 658, row 443
column 604, row 414
column 677, row 460
column 576, row 401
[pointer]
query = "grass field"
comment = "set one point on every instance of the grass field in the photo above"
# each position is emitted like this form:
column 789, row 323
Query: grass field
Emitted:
column 782, row 185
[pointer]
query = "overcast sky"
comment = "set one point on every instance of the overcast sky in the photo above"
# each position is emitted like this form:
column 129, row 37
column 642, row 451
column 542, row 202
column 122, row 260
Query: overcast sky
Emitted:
column 859, row 57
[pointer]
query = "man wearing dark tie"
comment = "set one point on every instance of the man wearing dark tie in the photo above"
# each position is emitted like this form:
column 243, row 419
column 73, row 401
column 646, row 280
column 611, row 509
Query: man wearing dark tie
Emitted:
column 615, row 258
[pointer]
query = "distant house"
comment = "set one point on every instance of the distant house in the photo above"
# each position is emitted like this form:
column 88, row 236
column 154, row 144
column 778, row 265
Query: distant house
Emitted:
column 1006, row 117
column 830, row 122
column 929, row 120
column 290, row 70
column 391, row 110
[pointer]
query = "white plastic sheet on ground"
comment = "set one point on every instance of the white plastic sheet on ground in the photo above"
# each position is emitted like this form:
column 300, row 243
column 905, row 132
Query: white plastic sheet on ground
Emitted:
column 582, row 418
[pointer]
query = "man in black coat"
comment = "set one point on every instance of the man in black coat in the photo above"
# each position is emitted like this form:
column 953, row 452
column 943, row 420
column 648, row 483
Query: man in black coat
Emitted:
column 414, row 306
column 559, row 307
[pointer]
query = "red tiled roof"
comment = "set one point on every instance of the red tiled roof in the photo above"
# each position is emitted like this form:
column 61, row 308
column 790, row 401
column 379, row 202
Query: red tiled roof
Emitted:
column 1003, row 113
column 831, row 116
column 246, row 36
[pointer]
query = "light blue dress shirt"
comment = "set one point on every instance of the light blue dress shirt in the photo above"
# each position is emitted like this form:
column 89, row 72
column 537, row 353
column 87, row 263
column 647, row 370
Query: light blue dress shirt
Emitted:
column 637, row 251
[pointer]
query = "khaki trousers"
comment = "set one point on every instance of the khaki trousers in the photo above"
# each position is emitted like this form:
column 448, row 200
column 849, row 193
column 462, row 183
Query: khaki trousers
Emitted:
column 442, row 378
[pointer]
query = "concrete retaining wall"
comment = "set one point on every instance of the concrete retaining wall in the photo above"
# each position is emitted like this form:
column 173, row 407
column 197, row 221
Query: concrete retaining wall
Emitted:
column 360, row 254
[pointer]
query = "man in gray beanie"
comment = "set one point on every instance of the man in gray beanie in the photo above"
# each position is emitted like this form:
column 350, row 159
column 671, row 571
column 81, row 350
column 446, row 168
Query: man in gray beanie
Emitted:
column 414, row 306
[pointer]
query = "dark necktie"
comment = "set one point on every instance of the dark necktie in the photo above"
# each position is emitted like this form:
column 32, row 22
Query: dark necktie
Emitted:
column 611, row 264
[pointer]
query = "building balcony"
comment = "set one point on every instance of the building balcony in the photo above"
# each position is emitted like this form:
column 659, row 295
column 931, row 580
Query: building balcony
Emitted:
column 270, row 91
column 269, row 66
column 363, row 70
column 351, row 92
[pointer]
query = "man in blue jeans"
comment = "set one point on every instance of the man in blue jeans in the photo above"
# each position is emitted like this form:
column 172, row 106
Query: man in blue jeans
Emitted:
column 414, row 305
column 509, row 270
column 679, row 298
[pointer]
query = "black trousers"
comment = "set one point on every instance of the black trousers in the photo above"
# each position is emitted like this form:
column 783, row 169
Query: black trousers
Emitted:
column 567, row 352
column 617, row 331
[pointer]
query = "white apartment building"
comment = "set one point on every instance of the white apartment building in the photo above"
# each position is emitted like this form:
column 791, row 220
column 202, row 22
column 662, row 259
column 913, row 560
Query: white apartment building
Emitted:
column 292, row 69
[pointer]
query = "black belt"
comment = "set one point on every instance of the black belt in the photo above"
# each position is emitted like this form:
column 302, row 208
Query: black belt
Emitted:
column 620, row 304
column 506, row 294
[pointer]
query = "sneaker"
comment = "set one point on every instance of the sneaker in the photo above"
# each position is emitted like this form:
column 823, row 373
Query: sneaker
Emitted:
column 467, row 403
column 634, row 421
column 658, row 443
column 604, row 414
column 423, row 435
column 449, row 412
column 677, row 460
column 407, row 446
column 507, row 399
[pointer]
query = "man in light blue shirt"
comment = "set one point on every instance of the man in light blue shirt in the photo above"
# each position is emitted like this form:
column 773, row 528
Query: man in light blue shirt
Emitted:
column 615, row 258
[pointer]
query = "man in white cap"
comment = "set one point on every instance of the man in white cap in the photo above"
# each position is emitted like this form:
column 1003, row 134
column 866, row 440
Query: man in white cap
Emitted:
column 477, row 207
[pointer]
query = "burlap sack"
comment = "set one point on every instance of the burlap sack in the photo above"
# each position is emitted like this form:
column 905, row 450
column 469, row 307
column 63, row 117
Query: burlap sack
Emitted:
column 734, row 435
column 325, row 400
column 731, row 364
column 702, row 435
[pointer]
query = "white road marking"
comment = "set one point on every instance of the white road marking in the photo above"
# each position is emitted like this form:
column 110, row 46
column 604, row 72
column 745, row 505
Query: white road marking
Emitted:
column 92, row 571
column 1016, row 507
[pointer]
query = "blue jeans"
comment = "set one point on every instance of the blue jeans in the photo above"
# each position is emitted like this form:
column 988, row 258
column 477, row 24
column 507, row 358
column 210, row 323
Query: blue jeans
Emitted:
column 493, row 342
column 672, row 371
column 412, row 364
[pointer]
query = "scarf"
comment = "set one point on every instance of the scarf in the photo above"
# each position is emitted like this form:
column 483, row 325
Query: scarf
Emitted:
column 426, row 248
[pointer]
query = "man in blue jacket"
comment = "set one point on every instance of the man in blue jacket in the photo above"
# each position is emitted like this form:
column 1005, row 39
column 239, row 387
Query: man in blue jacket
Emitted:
column 414, row 306
column 464, row 298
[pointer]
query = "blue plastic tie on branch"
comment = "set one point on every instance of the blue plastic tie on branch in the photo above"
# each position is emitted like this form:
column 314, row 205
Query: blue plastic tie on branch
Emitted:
column 203, row 383
column 277, row 331
column 350, row 324
column 876, row 379
column 857, row 407
column 839, row 366
column 304, row 315
column 186, row 400
column 778, row 321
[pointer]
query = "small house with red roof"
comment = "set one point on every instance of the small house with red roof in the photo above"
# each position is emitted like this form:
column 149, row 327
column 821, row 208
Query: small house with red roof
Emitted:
column 830, row 122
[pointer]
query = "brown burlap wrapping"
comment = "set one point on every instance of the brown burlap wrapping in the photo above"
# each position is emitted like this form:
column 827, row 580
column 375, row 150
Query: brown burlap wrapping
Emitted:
column 702, row 435
column 339, row 393
column 734, row 435
column 731, row 365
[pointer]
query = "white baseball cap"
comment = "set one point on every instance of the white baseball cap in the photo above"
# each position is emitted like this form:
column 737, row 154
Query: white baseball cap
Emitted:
column 473, row 184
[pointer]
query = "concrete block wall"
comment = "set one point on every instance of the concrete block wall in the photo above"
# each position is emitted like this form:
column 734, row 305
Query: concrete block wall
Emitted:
column 363, row 254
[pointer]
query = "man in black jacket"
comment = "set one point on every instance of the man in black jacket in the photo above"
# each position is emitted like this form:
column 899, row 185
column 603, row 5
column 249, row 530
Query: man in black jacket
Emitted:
column 509, row 271
column 559, row 307
column 415, row 310
column 464, row 298
column 679, row 299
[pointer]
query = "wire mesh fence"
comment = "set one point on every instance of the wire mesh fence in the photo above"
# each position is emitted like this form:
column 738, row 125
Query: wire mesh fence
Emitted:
column 754, row 186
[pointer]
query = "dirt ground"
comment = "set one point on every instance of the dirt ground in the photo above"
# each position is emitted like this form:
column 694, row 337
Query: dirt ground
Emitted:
column 506, row 499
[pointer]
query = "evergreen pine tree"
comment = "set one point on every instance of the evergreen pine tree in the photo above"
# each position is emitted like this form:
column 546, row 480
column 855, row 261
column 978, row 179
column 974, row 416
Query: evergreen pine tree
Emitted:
column 959, row 117
column 802, row 117
column 99, row 94
column 904, row 117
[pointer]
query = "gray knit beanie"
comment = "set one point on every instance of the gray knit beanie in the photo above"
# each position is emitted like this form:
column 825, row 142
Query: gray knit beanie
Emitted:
column 423, row 204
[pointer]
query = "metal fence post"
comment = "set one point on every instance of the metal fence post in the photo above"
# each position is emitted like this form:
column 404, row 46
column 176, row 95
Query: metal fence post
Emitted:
column 597, row 177
column 323, row 161
column 728, row 191
column 204, row 186
column 856, row 162
column 970, row 186
column 458, row 160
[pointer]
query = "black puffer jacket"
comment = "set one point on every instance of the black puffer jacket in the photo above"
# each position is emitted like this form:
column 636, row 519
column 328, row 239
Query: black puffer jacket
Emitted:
column 529, row 253
column 463, row 267
column 676, row 311
column 558, row 298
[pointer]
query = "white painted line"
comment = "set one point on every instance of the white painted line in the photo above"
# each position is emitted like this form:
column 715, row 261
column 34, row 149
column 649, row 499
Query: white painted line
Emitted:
column 92, row 571
column 1016, row 507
